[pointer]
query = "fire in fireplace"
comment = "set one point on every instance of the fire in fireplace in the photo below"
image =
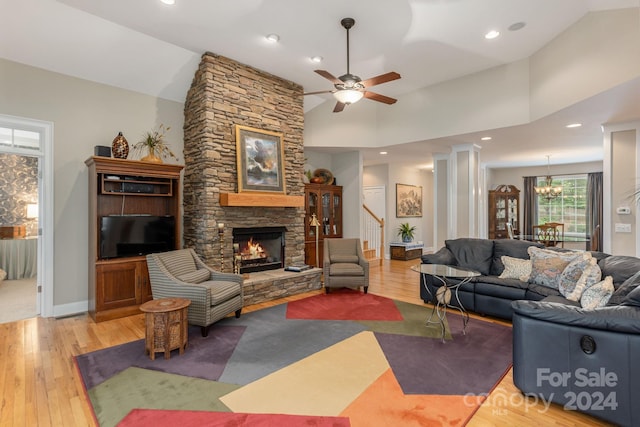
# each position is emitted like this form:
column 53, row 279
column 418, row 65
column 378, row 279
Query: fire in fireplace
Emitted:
column 259, row 248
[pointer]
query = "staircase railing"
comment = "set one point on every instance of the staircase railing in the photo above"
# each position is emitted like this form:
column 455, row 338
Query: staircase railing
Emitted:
column 373, row 232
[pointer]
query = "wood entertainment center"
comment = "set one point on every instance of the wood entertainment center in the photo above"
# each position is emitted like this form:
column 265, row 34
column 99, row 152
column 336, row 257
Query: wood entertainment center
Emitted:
column 118, row 286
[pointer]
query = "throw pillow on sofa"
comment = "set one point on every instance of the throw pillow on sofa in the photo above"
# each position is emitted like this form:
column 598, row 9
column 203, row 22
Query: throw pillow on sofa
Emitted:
column 597, row 295
column 547, row 265
column 512, row 248
column 591, row 275
column 572, row 273
column 515, row 268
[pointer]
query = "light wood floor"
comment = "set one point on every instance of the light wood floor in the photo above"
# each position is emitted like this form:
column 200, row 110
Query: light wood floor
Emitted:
column 39, row 384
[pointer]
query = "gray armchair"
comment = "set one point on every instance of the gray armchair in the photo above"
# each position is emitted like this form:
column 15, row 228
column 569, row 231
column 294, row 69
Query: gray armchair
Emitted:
column 181, row 273
column 344, row 264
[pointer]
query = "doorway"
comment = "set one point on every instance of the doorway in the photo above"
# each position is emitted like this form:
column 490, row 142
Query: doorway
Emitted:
column 374, row 198
column 28, row 143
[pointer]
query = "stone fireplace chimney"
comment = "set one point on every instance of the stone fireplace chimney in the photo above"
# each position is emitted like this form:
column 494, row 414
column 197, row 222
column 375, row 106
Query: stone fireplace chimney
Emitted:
column 225, row 93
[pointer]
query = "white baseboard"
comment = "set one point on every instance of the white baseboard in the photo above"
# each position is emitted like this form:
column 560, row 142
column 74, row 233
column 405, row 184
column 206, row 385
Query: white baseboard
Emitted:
column 64, row 310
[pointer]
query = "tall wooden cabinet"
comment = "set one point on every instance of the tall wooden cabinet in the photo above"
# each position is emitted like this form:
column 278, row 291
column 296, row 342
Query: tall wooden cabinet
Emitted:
column 504, row 203
column 118, row 286
column 325, row 201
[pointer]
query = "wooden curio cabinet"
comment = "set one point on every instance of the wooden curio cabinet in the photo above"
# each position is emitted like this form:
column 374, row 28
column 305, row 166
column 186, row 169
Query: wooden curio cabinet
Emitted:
column 325, row 201
column 504, row 209
column 119, row 285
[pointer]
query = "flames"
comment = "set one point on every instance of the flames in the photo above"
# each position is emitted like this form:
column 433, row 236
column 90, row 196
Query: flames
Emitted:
column 253, row 251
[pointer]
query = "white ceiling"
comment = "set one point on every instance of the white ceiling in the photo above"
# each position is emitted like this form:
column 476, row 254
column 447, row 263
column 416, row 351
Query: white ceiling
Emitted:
column 149, row 47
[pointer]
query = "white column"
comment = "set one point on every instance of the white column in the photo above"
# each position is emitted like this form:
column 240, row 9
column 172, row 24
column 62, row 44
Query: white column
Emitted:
column 441, row 207
column 465, row 189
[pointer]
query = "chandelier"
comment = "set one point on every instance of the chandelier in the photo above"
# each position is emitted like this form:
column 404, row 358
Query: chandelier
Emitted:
column 548, row 190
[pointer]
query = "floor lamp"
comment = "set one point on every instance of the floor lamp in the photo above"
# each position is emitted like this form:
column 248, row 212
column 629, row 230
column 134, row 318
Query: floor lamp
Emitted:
column 314, row 223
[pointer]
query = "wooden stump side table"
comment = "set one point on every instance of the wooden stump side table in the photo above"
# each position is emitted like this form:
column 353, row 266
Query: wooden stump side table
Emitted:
column 166, row 326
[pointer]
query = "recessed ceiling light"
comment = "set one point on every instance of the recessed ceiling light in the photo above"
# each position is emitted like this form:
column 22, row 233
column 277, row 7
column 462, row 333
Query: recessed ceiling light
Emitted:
column 485, row 138
column 492, row 34
column 273, row 38
column 316, row 59
column 517, row 26
column 168, row 1
column 574, row 125
column 384, row 152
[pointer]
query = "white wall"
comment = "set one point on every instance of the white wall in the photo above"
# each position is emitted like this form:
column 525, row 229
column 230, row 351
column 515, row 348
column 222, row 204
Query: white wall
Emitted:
column 84, row 114
column 347, row 168
column 597, row 53
column 623, row 184
column 600, row 51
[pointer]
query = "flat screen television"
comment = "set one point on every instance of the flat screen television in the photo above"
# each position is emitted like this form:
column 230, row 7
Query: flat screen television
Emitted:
column 131, row 235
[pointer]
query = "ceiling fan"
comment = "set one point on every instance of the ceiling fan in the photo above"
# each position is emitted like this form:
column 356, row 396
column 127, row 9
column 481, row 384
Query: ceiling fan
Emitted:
column 350, row 88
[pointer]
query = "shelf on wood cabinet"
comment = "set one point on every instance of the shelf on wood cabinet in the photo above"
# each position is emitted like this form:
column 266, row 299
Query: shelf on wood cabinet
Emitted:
column 262, row 200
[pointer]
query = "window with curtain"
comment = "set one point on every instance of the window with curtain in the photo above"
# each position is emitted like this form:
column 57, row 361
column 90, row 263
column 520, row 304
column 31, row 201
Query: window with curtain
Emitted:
column 570, row 208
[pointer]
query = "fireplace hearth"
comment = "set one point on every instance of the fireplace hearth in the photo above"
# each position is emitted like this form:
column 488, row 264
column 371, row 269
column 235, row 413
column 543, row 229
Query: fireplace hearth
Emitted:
column 259, row 248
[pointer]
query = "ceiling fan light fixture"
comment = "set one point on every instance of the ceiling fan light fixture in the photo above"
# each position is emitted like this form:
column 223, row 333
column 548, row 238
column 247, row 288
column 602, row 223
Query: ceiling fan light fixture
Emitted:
column 348, row 96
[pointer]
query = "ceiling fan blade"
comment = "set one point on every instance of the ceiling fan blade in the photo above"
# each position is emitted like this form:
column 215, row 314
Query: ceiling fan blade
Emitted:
column 327, row 75
column 382, row 78
column 319, row 92
column 339, row 107
column 380, row 98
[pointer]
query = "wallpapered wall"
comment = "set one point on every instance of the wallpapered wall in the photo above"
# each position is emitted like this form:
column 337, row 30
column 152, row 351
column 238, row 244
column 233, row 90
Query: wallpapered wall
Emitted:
column 18, row 188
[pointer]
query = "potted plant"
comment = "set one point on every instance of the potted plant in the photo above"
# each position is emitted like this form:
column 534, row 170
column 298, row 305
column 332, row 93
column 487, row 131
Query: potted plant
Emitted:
column 154, row 144
column 405, row 230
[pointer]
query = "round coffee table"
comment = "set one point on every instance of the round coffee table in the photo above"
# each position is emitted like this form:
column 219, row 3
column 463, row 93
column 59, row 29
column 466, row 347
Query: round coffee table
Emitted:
column 166, row 326
column 443, row 294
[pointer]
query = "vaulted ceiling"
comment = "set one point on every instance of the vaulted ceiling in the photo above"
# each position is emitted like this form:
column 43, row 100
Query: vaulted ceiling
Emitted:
column 154, row 48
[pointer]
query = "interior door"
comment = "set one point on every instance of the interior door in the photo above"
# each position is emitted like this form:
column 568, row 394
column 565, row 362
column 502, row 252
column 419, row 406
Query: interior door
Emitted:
column 375, row 199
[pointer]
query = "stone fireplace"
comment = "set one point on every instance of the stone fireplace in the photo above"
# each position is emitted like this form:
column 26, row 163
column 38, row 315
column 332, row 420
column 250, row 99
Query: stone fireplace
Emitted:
column 225, row 93
column 259, row 248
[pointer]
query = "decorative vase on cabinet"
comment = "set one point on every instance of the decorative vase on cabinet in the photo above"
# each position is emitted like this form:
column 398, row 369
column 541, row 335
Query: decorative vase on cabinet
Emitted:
column 120, row 147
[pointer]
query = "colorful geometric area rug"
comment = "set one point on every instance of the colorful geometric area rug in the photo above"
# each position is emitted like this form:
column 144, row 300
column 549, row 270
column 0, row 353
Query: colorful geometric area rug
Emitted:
column 339, row 359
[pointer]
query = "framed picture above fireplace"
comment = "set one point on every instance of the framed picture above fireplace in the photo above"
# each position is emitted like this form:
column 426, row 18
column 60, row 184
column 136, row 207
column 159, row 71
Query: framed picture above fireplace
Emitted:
column 260, row 156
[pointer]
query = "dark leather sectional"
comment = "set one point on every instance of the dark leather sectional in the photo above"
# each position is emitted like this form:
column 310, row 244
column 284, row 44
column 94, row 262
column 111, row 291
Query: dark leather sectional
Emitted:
column 585, row 360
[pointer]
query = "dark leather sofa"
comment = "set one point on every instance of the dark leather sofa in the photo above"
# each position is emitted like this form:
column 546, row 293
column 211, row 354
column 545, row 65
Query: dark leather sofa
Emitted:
column 487, row 294
column 585, row 360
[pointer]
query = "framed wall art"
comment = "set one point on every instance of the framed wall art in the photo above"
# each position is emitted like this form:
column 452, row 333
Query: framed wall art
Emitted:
column 260, row 157
column 408, row 201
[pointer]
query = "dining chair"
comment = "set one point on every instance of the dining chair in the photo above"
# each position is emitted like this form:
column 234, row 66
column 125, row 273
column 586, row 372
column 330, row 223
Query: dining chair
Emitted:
column 559, row 234
column 545, row 234
column 510, row 230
